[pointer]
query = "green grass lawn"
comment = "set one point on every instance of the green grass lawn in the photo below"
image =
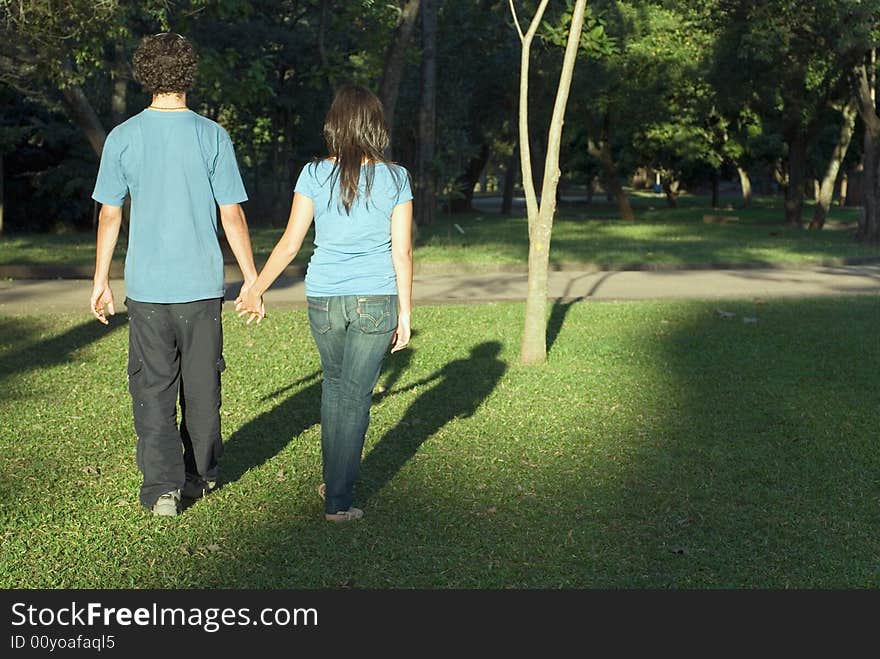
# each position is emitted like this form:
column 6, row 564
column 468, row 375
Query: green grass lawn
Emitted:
column 662, row 446
column 586, row 235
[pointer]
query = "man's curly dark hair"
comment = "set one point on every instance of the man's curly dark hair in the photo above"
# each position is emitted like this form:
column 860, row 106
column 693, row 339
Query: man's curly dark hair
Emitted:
column 165, row 64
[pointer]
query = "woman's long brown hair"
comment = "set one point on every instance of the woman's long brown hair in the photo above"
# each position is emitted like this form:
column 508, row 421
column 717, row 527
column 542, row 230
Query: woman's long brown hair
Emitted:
column 355, row 131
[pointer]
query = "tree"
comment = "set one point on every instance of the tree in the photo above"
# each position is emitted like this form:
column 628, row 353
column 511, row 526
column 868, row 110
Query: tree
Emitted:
column 869, row 222
column 425, row 184
column 540, row 217
column 784, row 63
column 395, row 58
column 54, row 44
column 848, row 112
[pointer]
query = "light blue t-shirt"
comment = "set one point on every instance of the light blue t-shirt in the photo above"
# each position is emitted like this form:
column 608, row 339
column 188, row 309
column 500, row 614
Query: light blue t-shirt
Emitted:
column 353, row 251
column 176, row 166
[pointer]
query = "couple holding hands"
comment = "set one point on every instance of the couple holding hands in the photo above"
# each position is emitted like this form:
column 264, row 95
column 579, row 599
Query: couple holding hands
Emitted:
column 177, row 167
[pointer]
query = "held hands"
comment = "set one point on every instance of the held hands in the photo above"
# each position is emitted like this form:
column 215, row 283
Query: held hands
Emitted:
column 402, row 335
column 250, row 304
column 102, row 297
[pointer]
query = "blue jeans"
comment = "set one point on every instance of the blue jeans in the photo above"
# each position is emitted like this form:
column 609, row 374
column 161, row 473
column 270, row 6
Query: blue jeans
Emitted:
column 353, row 334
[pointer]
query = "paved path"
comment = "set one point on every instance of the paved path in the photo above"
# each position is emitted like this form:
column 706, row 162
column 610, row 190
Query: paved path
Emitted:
column 34, row 297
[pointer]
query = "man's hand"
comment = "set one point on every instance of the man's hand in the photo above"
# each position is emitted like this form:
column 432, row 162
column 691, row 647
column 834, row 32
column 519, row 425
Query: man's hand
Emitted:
column 248, row 303
column 102, row 297
column 402, row 334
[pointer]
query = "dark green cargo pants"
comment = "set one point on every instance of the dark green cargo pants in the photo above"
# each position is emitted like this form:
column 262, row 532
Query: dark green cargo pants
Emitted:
column 175, row 351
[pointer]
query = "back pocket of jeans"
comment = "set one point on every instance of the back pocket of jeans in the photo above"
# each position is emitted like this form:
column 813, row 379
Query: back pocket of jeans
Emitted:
column 375, row 314
column 319, row 314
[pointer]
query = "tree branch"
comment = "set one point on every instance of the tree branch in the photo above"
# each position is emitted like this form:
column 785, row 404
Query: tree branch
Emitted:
column 865, row 101
column 516, row 20
column 525, row 153
column 551, row 163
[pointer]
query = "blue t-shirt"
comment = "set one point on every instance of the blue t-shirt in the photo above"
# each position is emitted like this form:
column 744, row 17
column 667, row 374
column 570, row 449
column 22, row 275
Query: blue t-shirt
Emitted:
column 176, row 166
column 353, row 250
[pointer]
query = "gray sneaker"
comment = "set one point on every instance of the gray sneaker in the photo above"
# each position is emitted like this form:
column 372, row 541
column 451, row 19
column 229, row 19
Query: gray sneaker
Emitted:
column 196, row 488
column 167, row 504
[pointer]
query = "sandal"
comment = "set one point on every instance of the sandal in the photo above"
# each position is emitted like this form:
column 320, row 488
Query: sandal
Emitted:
column 349, row 515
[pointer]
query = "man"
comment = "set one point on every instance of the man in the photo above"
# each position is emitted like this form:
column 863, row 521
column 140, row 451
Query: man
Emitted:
column 176, row 165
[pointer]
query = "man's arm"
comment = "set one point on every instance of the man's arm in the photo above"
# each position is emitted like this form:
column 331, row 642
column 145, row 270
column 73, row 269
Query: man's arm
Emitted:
column 109, row 221
column 236, row 229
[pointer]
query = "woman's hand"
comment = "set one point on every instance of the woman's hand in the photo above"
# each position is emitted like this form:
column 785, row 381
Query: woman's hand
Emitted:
column 402, row 335
column 249, row 303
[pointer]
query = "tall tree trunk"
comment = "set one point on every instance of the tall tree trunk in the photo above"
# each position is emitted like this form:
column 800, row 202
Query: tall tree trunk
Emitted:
column 464, row 184
column 119, row 96
column 82, row 113
column 670, row 189
column 602, row 152
column 869, row 219
column 794, row 193
column 826, row 190
column 844, row 189
column 426, row 182
column 509, row 182
column 395, row 59
column 534, row 341
column 746, row 184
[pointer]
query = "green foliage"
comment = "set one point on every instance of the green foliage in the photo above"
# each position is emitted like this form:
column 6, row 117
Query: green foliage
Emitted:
column 595, row 40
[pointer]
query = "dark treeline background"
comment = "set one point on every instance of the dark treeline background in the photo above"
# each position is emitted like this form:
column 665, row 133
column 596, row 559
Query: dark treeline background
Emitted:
column 771, row 97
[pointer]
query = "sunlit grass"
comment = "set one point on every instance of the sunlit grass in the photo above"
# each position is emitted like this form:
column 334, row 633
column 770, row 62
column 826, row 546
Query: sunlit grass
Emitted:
column 662, row 445
column 583, row 236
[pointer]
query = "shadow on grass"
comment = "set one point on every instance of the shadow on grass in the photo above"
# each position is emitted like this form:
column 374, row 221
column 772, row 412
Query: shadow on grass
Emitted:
column 26, row 352
column 564, row 303
column 461, row 386
column 759, row 466
column 262, row 438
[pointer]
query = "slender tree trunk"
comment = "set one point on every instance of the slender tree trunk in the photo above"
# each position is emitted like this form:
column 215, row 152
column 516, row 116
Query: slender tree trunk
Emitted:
column 613, row 188
column 426, row 183
column 464, row 184
column 395, row 59
column 844, row 185
column 509, row 182
column 869, row 219
column 826, row 190
column 794, row 195
column 83, row 115
column 746, row 184
column 670, row 189
column 119, row 96
column 534, row 341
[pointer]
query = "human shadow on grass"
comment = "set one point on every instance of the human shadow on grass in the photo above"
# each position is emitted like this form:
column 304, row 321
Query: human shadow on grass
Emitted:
column 27, row 353
column 461, row 386
column 262, row 438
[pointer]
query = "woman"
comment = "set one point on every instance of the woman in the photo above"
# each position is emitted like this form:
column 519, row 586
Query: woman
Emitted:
column 359, row 279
